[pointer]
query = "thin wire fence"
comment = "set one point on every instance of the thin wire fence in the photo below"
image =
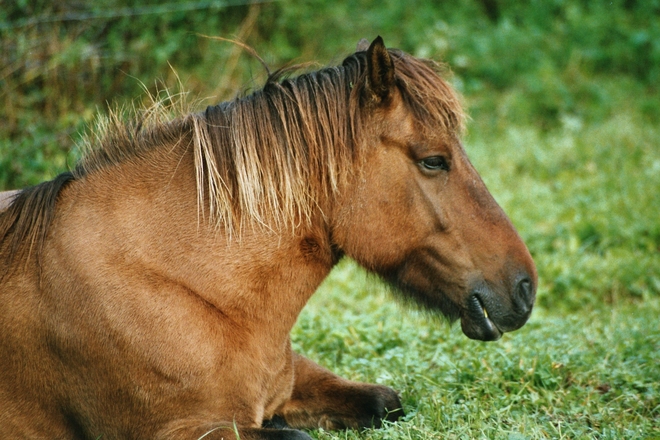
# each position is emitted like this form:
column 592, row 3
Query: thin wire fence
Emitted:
column 166, row 8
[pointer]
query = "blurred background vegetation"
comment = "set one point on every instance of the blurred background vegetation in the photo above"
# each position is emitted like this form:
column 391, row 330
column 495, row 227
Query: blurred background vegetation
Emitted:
column 563, row 97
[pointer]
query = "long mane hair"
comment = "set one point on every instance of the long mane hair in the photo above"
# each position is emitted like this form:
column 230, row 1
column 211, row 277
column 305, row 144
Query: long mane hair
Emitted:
column 265, row 158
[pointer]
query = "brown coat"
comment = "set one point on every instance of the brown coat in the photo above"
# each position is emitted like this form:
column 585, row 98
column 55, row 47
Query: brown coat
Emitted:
column 150, row 293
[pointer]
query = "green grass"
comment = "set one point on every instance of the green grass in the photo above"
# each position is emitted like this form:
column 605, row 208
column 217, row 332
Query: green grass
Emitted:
column 584, row 375
column 585, row 201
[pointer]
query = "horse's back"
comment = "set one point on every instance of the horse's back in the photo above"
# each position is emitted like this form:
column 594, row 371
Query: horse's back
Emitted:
column 47, row 316
column 27, row 395
column 101, row 291
column 50, row 324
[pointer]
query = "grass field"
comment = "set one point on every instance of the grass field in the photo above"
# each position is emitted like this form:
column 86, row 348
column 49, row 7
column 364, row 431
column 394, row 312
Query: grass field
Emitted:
column 565, row 131
column 592, row 374
column 585, row 197
column 587, row 365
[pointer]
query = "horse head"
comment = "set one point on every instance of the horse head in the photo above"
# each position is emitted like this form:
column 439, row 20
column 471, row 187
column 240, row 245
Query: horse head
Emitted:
column 418, row 213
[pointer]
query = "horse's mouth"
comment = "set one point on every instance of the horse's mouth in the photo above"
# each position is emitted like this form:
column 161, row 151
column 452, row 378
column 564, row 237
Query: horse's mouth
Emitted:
column 476, row 323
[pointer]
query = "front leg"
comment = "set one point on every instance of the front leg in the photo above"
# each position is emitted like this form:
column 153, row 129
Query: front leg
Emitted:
column 321, row 399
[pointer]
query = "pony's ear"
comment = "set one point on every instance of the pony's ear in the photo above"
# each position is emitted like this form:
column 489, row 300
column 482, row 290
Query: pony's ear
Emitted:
column 380, row 71
column 362, row 45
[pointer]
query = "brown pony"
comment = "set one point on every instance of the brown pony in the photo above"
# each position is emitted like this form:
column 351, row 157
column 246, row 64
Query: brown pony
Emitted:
column 150, row 292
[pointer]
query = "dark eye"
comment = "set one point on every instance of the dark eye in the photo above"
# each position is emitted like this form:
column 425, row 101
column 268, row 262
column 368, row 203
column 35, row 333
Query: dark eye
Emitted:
column 434, row 163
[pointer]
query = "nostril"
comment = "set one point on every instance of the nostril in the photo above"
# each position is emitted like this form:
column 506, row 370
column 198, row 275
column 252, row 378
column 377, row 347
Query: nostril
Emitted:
column 525, row 295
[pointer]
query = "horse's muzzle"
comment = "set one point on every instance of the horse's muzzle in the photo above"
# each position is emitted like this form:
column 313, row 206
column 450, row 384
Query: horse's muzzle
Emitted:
column 488, row 313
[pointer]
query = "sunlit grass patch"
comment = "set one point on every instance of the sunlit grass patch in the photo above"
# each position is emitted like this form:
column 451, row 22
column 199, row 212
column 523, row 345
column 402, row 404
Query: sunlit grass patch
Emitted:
column 588, row 375
column 585, row 201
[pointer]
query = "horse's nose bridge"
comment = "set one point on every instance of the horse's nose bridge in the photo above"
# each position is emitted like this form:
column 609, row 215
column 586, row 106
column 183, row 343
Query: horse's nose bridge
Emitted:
column 501, row 257
column 498, row 252
column 495, row 238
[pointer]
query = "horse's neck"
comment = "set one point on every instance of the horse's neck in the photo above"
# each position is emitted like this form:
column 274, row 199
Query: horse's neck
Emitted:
column 145, row 224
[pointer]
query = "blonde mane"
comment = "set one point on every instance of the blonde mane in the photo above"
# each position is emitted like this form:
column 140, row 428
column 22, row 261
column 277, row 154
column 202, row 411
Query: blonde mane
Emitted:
column 266, row 158
column 271, row 156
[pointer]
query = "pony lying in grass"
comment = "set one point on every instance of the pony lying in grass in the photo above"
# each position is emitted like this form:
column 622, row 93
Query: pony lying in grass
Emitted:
column 150, row 292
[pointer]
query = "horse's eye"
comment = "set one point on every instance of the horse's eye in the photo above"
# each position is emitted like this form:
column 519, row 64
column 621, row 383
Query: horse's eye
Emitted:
column 435, row 163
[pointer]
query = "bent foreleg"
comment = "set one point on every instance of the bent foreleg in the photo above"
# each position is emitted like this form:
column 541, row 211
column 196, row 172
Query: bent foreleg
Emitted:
column 322, row 399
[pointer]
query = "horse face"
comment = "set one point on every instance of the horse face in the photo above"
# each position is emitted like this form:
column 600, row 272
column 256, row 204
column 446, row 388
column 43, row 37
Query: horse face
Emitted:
column 419, row 214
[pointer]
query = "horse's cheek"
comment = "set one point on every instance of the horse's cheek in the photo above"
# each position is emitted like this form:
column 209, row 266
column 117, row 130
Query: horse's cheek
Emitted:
column 385, row 222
